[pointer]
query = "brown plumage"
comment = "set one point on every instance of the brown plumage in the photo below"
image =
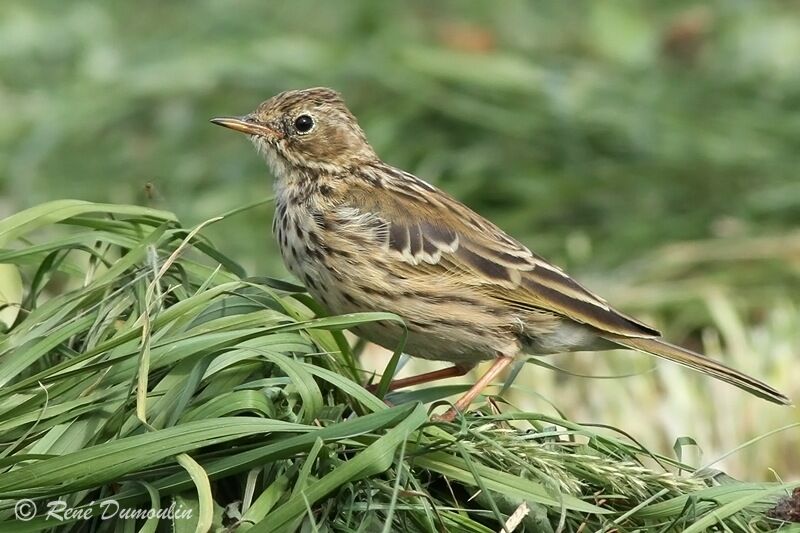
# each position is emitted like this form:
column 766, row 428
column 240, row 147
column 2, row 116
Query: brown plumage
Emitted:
column 365, row 236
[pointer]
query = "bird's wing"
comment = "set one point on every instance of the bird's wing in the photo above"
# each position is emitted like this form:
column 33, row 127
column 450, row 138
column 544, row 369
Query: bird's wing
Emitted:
column 432, row 232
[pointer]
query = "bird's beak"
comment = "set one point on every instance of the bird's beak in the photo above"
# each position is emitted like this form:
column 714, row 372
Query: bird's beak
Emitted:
column 246, row 126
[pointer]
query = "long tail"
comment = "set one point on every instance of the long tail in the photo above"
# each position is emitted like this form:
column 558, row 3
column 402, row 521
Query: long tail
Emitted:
column 703, row 364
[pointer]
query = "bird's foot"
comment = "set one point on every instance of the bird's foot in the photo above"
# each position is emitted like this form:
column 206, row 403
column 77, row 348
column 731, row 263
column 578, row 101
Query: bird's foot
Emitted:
column 447, row 416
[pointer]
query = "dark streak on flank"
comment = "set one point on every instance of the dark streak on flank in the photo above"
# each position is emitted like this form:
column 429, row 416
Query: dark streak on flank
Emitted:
column 320, row 220
column 415, row 325
column 441, row 299
column 315, row 253
column 337, row 251
column 366, row 289
column 310, row 282
column 453, row 323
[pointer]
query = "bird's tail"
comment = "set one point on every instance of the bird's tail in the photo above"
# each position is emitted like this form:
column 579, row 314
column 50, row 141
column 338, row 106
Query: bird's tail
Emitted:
column 703, row 364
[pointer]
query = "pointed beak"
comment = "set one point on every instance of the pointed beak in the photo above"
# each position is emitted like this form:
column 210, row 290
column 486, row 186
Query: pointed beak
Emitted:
column 246, row 125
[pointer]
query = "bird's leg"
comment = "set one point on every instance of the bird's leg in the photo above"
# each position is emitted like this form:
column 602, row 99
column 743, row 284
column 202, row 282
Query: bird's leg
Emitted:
column 427, row 377
column 463, row 403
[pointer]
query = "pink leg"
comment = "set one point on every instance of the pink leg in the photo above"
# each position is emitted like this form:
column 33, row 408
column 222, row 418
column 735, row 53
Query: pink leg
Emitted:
column 463, row 403
column 427, row 377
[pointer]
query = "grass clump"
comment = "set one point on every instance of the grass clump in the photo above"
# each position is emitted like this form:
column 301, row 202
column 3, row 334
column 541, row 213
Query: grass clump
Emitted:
column 140, row 365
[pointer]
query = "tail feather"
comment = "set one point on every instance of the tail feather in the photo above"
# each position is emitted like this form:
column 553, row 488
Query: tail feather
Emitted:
column 703, row 364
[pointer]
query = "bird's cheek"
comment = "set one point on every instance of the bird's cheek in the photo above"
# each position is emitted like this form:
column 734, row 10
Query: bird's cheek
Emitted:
column 333, row 149
column 306, row 147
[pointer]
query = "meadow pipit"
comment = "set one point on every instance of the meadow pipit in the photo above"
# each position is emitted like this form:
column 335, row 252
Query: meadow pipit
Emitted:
column 366, row 236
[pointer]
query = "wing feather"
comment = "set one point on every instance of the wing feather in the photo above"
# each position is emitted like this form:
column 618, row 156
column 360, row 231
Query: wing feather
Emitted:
column 428, row 226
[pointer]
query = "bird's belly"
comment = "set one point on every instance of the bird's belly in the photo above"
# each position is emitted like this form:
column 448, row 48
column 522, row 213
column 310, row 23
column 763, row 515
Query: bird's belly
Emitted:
column 455, row 331
column 434, row 343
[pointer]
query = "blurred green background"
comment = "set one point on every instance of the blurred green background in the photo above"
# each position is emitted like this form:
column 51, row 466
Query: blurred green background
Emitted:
column 651, row 148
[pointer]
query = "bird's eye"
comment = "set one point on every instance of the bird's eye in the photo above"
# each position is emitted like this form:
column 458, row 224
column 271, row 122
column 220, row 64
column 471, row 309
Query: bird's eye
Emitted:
column 303, row 123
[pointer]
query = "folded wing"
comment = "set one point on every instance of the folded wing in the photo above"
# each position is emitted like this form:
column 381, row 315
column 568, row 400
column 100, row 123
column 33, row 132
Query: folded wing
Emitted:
column 431, row 231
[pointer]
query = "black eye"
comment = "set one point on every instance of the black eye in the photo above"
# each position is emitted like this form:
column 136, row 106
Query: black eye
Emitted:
column 303, row 123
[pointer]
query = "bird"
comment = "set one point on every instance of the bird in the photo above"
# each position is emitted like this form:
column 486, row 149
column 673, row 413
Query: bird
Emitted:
column 363, row 235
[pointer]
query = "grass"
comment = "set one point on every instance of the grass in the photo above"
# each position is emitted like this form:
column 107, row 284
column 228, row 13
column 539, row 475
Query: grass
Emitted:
column 650, row 148
column 141, row 364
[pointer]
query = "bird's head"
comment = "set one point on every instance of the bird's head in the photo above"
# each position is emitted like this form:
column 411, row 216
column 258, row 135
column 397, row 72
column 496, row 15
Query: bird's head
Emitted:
column 307, row 130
